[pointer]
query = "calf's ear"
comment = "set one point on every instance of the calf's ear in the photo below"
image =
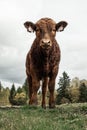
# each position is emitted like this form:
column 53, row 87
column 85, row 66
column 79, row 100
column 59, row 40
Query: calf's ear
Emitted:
column 30, row 26
column 61, row 25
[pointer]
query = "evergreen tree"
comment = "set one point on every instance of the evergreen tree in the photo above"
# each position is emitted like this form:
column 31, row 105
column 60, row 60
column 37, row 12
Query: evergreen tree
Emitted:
column 0, row 86
column 64, row 82
column 25, row 87
column 83, row 93
column 12, row 94
column 19, row 90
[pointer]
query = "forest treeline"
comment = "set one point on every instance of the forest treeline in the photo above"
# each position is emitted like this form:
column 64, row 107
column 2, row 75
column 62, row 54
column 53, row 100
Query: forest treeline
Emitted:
column 68, row 91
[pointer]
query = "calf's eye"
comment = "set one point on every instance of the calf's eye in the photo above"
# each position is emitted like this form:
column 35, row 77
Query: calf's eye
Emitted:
column 53, row 31
column 37, row 30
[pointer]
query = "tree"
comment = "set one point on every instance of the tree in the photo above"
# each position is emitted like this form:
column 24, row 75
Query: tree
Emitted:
column 19, row 90
column 83, row 93
column 74, row 94
column 0, row 86
column 25, row 87
column 64, row 83
column 4, row 97
column 12, row 94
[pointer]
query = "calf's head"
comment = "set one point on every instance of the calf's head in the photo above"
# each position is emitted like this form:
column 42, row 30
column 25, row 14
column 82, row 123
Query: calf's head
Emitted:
column 45, row 30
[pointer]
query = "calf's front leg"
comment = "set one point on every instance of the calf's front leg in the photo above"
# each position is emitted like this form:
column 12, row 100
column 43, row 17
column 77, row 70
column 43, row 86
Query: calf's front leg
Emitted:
column 51, row 87
column 35, row 87
column 44, row 89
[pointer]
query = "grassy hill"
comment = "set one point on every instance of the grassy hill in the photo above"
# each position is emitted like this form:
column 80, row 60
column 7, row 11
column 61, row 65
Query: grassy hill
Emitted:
column 63, row 117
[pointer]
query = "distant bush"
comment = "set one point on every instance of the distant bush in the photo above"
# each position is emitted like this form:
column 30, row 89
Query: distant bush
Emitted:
column 74, row 94
column 17, row 97
column 64, row 100
column 20, row 99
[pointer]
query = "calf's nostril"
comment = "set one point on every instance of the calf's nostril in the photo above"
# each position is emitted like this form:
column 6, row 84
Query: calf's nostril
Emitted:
column 48, row 42
column 42, row 41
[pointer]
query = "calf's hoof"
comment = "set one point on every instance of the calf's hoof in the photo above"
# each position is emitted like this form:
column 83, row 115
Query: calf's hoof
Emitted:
column 51, row 106
column 44, row 106
column 33, row 103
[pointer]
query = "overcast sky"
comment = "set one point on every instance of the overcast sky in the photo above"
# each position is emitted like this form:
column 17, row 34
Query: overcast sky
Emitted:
column 15, row 41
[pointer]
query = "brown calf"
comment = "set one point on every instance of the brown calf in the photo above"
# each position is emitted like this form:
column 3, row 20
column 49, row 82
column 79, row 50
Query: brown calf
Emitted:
column 42, row 62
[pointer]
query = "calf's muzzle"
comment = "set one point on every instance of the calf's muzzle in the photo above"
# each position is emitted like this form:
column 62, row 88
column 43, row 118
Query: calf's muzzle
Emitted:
column 46, row 42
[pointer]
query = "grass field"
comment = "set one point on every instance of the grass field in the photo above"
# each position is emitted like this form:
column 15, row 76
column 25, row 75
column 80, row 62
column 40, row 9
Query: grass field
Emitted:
column 63, row 117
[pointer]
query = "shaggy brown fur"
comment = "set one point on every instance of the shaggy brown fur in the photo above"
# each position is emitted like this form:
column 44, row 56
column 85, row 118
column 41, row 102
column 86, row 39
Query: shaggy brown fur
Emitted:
column 42, row 62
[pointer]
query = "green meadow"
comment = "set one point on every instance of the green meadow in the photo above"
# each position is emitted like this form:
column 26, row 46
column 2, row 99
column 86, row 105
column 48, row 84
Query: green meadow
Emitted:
column 63, row 117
